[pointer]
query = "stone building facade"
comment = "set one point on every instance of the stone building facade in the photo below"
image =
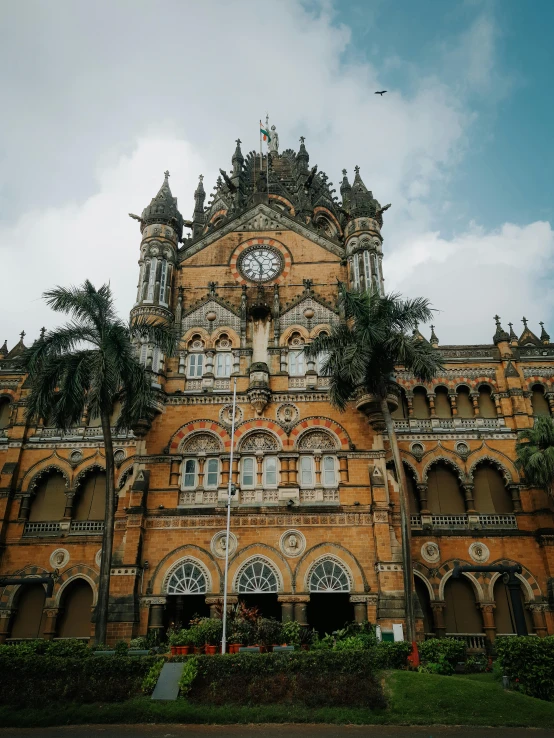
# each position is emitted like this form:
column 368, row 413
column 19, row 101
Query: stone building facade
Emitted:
column 315, row 518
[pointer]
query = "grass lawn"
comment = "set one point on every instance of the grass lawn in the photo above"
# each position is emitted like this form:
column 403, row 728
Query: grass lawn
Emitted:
column 414, row 699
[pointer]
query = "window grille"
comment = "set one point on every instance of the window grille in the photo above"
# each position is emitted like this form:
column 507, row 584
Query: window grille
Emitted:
column 187, row 579
column 329, row 576
column 257, row 577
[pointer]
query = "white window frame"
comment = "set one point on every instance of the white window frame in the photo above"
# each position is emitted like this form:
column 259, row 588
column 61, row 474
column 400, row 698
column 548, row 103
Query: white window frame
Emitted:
column 143, row 355
column 163, row 281
column 297, row 364
column 306, row 461
column 194, row 359
column 156, row 359
column 267, row 461
column 367, row 269
column 184, row 484
column 152, row 279
column 207, row 473
column 356, row 271
column 243, row 461
column 223, row 364
column 324, row 471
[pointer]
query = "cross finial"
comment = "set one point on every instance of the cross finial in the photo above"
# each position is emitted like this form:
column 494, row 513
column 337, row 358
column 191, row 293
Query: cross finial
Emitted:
column 511, row 325
column 357, row 169
column 166, row 173
column 42, row 332
column 201, row 178
column 22, row 334
column 524, row 321
column 497, row 319
column 541, row 323
column 266, row 120
column 302, row 139
column 432, row 327
column 238, row 142
column 344, row 172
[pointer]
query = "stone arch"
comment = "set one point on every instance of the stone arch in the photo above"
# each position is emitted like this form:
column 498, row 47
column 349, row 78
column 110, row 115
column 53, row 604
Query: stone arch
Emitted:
column 321, row 328
column 326, row 213
column 261, row 424
column 79, row 571
column 125, row 472
column 410, row 466
column 422, row 574
column 328, row 440
column 217, row 215
column 244, row 568
column 233, row 336
column 485, row 382
column 201, row 441
column 9, row 592
column 206, row 426
column 30, row 481
column 170, row 560
column 259, row 440
column 83, row 473
column 263, row 551
column 287, row 203
column 531, row 588
column 331, row 550
column 202, row 332
column 288, row 332
column 446, row 460
column 501, row 466
column 447, row 572
column 196, row 562
column 341, row 579
column 315, row 422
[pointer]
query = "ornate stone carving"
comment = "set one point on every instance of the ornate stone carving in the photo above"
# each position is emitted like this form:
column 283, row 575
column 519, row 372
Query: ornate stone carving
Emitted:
column 479, row 552
column 218, row 544
column 75, row 457
column 201, row 442
column 119, row 457
column 59, row 558
column 297, row 314
column 259, row 398
column 317, row 439
column 260, row 441
column 431, row 552
column 197, row 317
column 226, row 415
column 292, row 543
column 462, row 449
column 287, row 414
column 418, row 449
column 98, row 557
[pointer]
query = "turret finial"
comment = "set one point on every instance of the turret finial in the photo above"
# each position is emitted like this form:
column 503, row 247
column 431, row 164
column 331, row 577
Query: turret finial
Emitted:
column 434, row 340
column 545, row 338
column 524, row 321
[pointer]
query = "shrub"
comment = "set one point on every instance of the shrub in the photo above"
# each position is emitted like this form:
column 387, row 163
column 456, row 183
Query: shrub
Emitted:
column 291, row 633
column 64, row 648
column 151, row 679
column 190, row 672
column 211, row 630
column 392, row 655
column 529, row 662
column 442, row 667
column 269, row 631
column 435, row 649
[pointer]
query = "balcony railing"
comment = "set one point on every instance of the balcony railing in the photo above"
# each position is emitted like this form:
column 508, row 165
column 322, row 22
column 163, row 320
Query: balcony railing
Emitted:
column 417, row 425
column 82, row 527
column 42, row 529
column 487, row 522
column 473, row 641
column 75, row 434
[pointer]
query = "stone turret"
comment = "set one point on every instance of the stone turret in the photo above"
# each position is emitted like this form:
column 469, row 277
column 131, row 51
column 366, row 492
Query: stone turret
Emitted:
column 199, row 217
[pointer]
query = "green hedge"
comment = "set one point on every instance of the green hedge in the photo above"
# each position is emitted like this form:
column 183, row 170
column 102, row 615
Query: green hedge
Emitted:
column 435, row 649
column 528, row 661
column 32, row 680
column 318, row 678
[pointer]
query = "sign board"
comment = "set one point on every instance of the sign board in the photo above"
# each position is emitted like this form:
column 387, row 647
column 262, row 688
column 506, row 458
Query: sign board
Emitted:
column 398, row 631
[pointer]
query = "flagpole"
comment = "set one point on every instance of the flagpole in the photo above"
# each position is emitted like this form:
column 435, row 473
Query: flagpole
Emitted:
column 267, row 162
column 227, row 541
column 261, row 155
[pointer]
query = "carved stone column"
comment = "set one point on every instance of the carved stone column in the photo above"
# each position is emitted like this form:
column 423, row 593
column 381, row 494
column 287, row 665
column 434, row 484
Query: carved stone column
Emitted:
column 225, row 467
column 285, row 462
column 410, row 403
column 69, row 500
column 293, row 470
column 475, row 400
column 422, row 493
column 216, row 604
column 516, row 500
column 468, row 497
column 453, row 403
column 156, row 613
column 343, row 468
column 489, row 627
column 432, row 410
column 25, row 508
column 497, row 404
column 174, row 472
column 360, row 603
column 5, row 617
column 301, row 608
column 201, row 464
column 182, row 362
column 317, row 463
column 287, row 608
column 235, row 471
column 260, row 469
column 51, row 622
column 539, row 619
column 438, row 618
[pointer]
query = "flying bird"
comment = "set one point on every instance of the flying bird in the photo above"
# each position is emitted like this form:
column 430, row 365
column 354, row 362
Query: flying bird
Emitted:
column 381, row 92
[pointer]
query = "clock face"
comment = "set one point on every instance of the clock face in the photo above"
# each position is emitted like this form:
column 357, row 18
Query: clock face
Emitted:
column 261, row 264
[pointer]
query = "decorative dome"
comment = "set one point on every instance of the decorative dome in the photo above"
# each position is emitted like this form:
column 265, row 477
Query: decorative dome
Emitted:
column 163, row 209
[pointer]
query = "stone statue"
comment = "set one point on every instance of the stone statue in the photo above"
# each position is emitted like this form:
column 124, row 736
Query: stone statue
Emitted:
column 274, row 143
column 223, row 543
column 292, row 542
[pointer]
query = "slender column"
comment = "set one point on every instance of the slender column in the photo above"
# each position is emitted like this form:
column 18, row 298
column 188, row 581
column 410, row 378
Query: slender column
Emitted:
column 25, row 508
column 235, row 471
column 201, row 464
column 453, row 403
column 468, row 497
column 343, row 468
column 539, row 619
column 475, row 400
column 438, row 618
column 422, row 492
column 516, row 500
column 431, row 398
column 410, row 403
column 182, row 360
column 174, row 472
column 293, row 470
column 69, row 500
column 498, row 405
column 285, row 463
column 489, row 627
column 225, row 468
column 260, row 471
column 317, row 461
column 50, row 624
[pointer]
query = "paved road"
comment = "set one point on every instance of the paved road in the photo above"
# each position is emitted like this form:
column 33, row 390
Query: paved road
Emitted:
column 269, row 731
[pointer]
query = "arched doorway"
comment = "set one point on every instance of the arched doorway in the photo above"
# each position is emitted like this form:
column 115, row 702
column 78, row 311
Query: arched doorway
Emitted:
column 186, row 589
column 329, row 608
column 461, row 612
column 76, row 610
column 49, row 500
column 258, row 585
column 29, row 619
column 444, row 493
column 425, row 603
column 539, row 401
column 504, row 619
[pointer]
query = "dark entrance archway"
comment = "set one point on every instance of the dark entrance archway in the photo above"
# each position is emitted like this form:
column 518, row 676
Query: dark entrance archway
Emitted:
column 329, row 611
column 266, row 602
column 181, row 609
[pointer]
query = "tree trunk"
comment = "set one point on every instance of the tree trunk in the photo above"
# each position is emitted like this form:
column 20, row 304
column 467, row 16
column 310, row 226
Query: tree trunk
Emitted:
column 107, row 538
column 404, row 524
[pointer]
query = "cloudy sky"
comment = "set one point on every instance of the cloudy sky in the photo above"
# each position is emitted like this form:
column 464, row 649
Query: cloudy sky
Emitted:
column 100, row 98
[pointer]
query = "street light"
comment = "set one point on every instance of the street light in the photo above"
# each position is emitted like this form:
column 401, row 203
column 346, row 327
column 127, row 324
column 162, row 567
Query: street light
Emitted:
column 230, row 492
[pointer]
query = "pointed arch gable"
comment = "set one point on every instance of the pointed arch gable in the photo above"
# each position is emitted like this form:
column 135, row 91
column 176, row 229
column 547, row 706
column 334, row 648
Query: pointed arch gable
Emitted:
column 287, row 333
column 502, row 466
column 207, row 426
column 446, row 460
column 230, row 332
column 31, row 479
column 83, row 472
column 314, row 422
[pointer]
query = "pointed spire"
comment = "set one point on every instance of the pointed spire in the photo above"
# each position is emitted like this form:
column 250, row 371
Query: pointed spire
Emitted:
column 4, row 349
column 163, row 208
column 303, row 157
column 198, row 218
column 345, row 190
column 19, row 347
column 500, row 334
column 238, row 159
column 42, row 332
column 434, row 341
column 513, row 337
column 545, row 338
column 416, row 333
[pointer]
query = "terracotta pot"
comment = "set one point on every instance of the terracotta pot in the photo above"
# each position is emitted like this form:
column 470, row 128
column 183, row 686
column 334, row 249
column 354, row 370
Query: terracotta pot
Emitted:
column 211, row 650
column 185, row 650
column 198, row 650
column 305, row 647
column 263, row 649
column 234, row 647
column 174, row 650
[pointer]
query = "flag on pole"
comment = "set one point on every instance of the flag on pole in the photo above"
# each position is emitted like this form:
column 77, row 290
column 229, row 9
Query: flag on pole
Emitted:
column 264, row 132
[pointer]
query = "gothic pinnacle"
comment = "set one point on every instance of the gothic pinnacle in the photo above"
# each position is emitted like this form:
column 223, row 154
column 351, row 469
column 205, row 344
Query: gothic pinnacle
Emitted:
column 434, row 341
column 500, row 334
column 545, row 338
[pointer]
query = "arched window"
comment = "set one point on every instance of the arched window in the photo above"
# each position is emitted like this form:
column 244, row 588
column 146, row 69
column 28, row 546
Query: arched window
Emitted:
column 195, row 365
column 152, row 269
column 464, row 403
column 355, row 271
column 444, row 495
column 329, row 471
column 270, row 469
column 91, row 497
column 248, row 477
column 257, row 576
column 306, row 471
column 49, row 498
column 5, row 412
column 187, row 579
column 329, row 576
column 487, row 408
column 461, row 613
column 29, row 619
column 190, row 470
column 490, row 493
column 223, row 364
column 539, row 401
column 212, row 473
column 425, row 603
column 421, row 403
column 442, row 403
column 163, row 282
column 504, row 618
column 297, row 367
column 76, row 603
column 402, row 410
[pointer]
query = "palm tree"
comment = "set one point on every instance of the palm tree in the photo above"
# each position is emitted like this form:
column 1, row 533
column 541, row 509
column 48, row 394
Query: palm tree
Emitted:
column 535, row 454
column 360, row 356
column 83, row 367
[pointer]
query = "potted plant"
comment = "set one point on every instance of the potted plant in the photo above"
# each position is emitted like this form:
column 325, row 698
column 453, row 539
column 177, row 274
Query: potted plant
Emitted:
column 269, row 632
column 291, row 633
column 241, row 634
column 306, row 638
column 173, row 638
column 196, row 637
column 213, row 630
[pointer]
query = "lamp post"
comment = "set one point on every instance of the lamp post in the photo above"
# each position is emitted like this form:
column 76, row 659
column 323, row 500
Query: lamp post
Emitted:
column 230, row 492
